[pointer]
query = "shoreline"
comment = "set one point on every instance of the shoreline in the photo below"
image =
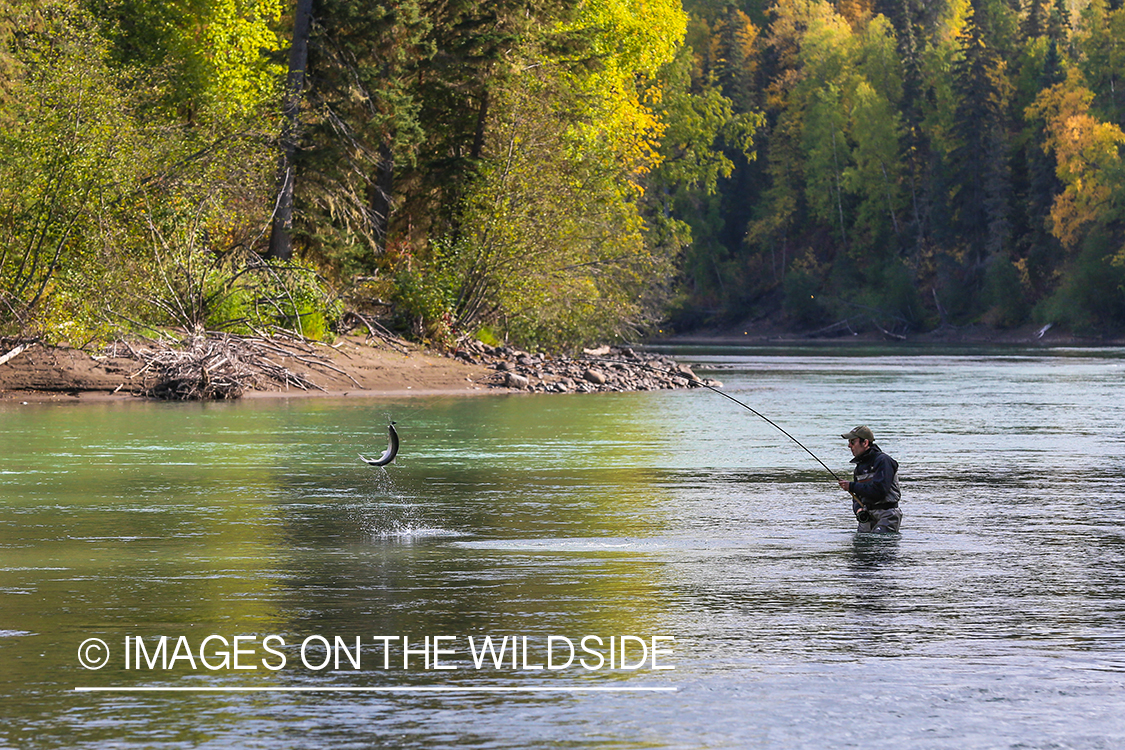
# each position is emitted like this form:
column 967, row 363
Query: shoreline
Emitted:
column 359, row 367
column 767, row 334
column 767, row 331
column 354, row 367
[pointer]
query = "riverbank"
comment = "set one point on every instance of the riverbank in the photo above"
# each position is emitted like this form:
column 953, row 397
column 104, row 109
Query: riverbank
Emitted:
column 353, row 366
column 770, row 331
column 358, row 365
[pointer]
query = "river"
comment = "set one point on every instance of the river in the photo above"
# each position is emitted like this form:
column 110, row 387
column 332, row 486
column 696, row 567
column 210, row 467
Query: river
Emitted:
column 642, row 570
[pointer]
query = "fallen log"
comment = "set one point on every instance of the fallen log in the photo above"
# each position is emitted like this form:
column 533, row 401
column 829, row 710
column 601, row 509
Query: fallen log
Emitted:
column 14, row 353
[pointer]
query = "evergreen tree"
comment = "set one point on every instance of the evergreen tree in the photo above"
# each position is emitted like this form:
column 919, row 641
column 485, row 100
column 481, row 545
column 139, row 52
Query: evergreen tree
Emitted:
column 979, row 160
column 1058, row 23
column 907, row 16
column 735, row 62
column 1039, row 250
column 400, row 98
column 1035, row 22
column 362, row 116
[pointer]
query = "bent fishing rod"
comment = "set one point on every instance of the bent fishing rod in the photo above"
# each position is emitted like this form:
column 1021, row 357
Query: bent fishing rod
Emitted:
column 700, row 383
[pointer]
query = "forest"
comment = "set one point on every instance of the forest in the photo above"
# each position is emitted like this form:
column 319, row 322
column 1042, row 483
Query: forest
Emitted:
column 561, row 172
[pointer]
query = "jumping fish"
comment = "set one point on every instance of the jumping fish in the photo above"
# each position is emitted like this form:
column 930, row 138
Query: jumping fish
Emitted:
column 391, row 451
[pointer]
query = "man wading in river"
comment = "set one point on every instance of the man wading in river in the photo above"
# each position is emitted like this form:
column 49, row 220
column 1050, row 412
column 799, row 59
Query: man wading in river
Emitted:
column 874, row 491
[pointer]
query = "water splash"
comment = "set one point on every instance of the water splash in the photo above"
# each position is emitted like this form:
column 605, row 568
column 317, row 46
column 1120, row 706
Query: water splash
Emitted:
column 408, row 531
column 393, row 514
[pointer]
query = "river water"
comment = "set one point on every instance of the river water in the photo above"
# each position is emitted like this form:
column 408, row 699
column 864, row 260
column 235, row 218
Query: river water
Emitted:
column 246, row 548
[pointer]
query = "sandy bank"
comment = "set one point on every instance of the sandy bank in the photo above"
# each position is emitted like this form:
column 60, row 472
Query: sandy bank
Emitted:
column 226, row 367
column 353, row 367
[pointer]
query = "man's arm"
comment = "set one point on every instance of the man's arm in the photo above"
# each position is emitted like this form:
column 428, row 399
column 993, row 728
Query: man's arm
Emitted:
column 876, row 488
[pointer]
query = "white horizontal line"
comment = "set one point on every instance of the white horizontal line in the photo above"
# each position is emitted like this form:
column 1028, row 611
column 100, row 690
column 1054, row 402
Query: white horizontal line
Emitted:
column 415, row 689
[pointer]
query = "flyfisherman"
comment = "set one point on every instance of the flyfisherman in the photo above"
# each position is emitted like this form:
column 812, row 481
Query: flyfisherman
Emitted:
column 875, row 493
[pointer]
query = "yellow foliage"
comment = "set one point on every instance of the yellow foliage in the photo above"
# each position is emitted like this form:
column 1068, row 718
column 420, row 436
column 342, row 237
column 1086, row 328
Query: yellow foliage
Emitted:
column 633, row 39
column 1088, row 156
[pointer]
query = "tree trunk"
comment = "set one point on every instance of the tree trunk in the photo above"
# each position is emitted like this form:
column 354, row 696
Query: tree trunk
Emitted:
column 381, row 194
column 281, row 245
column 482, row 119
column 839, row 191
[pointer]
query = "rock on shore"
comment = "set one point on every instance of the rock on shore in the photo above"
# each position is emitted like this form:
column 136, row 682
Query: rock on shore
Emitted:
column 606, row 369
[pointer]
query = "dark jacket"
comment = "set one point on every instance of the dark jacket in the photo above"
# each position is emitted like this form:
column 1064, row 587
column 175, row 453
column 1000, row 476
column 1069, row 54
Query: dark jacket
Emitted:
column 876, row 479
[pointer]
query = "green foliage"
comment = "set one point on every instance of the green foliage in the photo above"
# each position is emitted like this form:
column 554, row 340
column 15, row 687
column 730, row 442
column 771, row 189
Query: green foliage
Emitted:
column 426, row 289
column 631, row 43
column 546, row 243
column 934, row 157
column 291, row 296
column 705, row 140
column 1091, row 297
column 896, row 294
column 1005, row 295
column 198, row 282
column 199, row 291
column 401, row 100
column 802, row 303
column 109, row 212
column 978, row 157
column 1102, row 61
column 552, row 251
column 875, row 180
column 699, row 122
column 67, row 152
column 365, row 133
column 209, row 59
column 560, row 172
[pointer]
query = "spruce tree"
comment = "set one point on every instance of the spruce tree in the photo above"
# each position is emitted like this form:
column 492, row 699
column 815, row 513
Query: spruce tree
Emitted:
column 979, row 160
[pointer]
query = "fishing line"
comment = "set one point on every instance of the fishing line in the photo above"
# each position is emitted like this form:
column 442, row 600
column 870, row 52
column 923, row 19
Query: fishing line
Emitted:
column 700, row 383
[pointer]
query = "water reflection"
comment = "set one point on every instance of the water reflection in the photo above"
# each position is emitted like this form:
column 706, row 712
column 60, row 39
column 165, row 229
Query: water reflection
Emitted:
column 871, row 552
column 874, row 581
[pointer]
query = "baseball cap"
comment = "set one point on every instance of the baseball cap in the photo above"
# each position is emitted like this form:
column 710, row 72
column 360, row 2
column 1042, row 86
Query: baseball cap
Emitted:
column 863, row 432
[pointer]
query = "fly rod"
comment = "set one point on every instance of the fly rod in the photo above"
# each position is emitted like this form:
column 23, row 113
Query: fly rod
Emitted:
column 753, row 411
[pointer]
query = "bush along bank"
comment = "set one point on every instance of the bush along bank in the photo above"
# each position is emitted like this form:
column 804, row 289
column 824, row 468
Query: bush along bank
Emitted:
column 606, row 369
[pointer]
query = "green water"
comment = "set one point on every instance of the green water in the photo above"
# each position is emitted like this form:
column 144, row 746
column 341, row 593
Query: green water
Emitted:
column 994, row 620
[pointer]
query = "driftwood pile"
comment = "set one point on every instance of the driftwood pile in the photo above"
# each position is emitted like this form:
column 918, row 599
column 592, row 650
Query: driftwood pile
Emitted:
column 217, row 366
column 600, row 370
